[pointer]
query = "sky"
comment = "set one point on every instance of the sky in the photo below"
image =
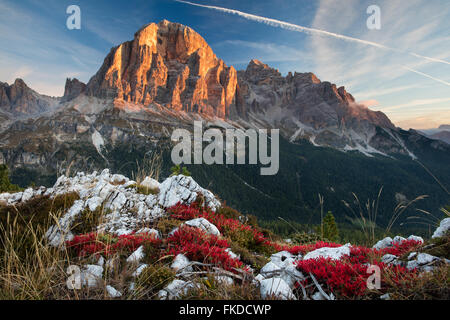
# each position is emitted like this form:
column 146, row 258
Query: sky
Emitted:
column 402, row 69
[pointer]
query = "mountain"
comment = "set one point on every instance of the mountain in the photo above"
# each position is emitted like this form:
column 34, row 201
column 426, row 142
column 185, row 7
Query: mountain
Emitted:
column 18, row 99
column 167, row 64
column 442, row 135
column 303, row 107
column 168, row 75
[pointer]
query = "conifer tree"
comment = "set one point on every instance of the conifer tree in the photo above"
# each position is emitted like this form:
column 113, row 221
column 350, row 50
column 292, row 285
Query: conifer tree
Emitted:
column 330, row 229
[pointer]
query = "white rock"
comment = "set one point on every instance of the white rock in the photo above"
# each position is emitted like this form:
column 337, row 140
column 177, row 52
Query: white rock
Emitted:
column 129, row 183
column 137, row 255
column 27, row 194
column 398, row 239
column 258, row 279
column 319, row 296
column 119, row 202
column 203, row 224
column 184, row 189
column 385, row 296
column 149, row 231
column 327, row 252
column 291, row 275
column 57, row 234
column 232, row 254
column 282, row 258
column 93, row 203
column 101, row 261
column 384, row 243
column 150, row 183
column 4, row 197
column 412, row 255
column 443, row 228
column 412, row 264
column 112, row 292
column 139, row 270
column 425, row 258
column 91, row 275
column 225, row 280
column 416, row 238
column 15, row 197
column 181, row 262
column 428, row 268
column 276, row 287
column 388, row 258
column 175, row 289
column 270, row 269
column 119, row 179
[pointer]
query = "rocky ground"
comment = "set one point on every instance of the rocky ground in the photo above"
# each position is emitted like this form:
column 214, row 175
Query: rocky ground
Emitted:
column 105, row 236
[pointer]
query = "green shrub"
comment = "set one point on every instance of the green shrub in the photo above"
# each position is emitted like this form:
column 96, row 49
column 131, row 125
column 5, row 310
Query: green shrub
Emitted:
column 5, row 184
column 228, row 212
column 177, row 170
column 301, row 238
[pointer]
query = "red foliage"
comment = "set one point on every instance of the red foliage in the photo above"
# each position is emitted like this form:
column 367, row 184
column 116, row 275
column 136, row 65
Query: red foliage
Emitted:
column 196, row 245
column 92, row 243
column 348, row 276
column 184, row 212
column 304, row 249
column 400, row 248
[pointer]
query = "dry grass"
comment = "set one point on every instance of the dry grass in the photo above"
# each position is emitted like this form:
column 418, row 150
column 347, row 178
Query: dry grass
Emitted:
column 149, row 167
column 428, row 285
column 366, row 214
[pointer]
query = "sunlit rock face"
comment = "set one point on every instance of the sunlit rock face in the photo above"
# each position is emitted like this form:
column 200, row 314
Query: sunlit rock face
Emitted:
column 168, row 64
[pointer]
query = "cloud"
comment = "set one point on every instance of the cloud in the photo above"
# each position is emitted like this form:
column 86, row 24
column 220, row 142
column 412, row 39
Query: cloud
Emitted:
column 369, row 103
column 383, row 92
column 41, row 51
column 419, row 102
column 428, row 121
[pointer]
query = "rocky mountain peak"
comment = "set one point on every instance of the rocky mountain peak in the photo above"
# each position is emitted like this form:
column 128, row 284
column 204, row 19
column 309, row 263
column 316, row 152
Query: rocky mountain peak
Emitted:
column 167, row 64
column 73, row 89
column 256, row 71
column 18, row 99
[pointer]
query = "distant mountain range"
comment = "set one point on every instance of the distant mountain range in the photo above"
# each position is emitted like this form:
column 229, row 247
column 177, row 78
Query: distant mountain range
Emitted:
column 442, row 133
column 166, row 77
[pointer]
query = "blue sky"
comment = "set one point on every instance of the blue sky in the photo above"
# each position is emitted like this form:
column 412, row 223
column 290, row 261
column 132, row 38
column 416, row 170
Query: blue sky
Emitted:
column 37, row 46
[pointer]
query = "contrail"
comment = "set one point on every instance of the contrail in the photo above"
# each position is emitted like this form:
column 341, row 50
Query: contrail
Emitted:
column 428, row 76
column 297, row 28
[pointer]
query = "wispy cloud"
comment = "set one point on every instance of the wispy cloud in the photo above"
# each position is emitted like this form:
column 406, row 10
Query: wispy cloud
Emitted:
column 264, row 51
column 419, row 102
column 298, row 28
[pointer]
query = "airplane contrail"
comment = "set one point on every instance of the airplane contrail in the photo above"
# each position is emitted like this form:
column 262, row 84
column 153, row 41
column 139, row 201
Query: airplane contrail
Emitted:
column 298, row 28
column 428, row 76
